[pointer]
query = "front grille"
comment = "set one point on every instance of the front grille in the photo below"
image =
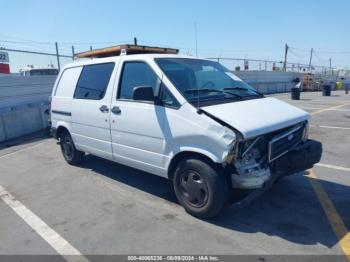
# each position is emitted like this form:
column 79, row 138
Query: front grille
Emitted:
column 284, row 142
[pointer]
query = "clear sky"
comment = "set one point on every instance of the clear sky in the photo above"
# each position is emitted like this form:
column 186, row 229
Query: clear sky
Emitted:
column 226, row 28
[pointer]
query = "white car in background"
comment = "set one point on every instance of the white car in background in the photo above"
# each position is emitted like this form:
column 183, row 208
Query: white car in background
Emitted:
column 187, row 119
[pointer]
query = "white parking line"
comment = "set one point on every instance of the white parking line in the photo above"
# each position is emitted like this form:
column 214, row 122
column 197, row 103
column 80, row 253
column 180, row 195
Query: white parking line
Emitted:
column 310, row 108
column 329, row 109
column 332, row 127
column 22, row 149
column 341, row 110
column 48, row 234
column 334, row 167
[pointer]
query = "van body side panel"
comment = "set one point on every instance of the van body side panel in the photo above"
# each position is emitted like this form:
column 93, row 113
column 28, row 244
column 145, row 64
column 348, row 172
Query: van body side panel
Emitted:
column 90, row 129
column 186, row 130
column 61, row 104
column 67, row 82
column 90, row 125
column 138, row 136
column 147, row 137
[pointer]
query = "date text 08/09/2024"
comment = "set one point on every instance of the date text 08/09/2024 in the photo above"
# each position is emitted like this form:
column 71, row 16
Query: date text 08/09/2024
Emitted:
column 173, row 258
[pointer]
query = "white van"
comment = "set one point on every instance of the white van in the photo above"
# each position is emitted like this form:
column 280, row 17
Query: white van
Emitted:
column 187, row 119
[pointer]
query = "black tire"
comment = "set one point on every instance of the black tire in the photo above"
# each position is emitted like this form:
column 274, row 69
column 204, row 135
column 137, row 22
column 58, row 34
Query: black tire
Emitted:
column 200, row 188
column 69, row 152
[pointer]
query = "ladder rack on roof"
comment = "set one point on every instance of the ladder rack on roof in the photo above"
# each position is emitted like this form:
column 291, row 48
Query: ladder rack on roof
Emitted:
column 125, row 49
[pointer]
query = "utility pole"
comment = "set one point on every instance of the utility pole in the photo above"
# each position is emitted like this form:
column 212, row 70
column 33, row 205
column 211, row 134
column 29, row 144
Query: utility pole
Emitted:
column 90, row 51
column 330, row 64
column 196, row 37
column 58, row 57
column 312, row 50
column 285, row 58
column 73, row 52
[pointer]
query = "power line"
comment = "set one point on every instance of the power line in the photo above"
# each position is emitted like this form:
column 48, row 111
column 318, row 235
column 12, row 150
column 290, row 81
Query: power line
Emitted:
column 323, row 52
column 31, row 48
column 42, row 49
column 319, row 58
column 29, row 43
column 300, row 49
column 296, row 54
column 36, row 47
column 32, row 52
column 19, row 40
column 210, row 49
column 22, row 40
column 334, row 52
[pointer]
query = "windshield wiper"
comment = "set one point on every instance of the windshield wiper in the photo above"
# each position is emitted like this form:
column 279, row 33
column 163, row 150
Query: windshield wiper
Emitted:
column 243, row 88
column 202, row 90
column 194, row 90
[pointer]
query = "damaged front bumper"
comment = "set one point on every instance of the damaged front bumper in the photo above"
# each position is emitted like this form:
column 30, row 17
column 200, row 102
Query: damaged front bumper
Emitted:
column 299, row 159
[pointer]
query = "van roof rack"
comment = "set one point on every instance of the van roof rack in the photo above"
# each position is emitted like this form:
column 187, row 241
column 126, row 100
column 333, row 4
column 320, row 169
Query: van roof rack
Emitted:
column 125, row 49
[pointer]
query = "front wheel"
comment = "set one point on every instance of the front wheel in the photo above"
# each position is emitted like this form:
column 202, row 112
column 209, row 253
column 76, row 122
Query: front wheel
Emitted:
column 69, row 152
column 200, row 188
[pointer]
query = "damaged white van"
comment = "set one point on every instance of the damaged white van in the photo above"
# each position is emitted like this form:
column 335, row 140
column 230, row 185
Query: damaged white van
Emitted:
column 187, row 119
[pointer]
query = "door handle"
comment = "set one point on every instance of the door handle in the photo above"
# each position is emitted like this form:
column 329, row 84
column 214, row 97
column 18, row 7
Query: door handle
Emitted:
column 116, row 110
column 104, row 109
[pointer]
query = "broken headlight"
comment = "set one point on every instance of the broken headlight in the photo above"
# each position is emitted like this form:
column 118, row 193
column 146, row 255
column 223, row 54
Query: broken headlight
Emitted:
column 305, row 135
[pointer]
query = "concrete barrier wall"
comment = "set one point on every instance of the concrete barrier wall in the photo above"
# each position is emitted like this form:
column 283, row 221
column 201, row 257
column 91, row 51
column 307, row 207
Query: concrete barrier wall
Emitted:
column 268, row 82
column 23, row 101
column 19, row 90
column 267, row 76
column 22, row 120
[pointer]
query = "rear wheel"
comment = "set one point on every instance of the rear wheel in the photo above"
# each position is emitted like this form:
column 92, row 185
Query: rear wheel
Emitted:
column 200, row 188
column 69, row 152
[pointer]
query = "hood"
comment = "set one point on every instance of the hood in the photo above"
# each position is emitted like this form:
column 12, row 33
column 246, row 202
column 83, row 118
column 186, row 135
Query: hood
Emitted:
column 258, row 116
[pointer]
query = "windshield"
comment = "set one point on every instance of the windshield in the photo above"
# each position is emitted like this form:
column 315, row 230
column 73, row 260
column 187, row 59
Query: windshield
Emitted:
column 204, row 82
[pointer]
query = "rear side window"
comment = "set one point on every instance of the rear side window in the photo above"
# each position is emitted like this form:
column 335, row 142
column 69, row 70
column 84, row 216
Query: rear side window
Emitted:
column 136, row 74
column 67, row 82
column 93, row 81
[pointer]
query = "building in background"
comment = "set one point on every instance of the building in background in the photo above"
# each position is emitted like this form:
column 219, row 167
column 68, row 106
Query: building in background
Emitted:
column 30, row 70
column 4, row 63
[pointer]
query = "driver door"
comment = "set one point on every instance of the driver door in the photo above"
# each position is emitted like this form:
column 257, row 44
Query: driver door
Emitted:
column 137, row 135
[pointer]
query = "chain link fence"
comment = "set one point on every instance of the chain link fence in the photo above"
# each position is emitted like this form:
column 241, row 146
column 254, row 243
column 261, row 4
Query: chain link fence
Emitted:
column 241, row 64
column 57, row 55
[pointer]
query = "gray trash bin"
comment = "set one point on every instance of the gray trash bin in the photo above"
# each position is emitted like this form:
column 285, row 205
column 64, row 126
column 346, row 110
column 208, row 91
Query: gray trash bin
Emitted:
column 326, row 90
column 295, row 93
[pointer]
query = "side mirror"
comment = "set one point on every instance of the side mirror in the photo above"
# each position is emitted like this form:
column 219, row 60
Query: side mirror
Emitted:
column 143, row 93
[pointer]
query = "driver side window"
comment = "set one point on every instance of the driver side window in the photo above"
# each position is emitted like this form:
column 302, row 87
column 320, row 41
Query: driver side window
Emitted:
column 166, row 98
column 136, row 74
